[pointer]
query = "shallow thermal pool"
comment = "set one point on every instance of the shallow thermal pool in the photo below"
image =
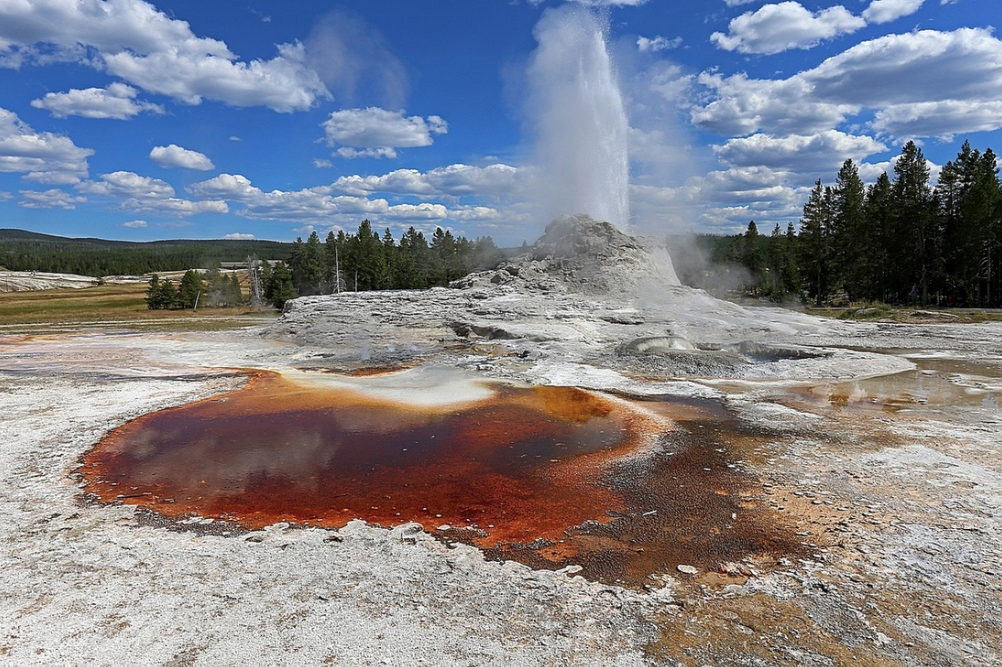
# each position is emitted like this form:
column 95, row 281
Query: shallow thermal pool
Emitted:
column 550, row 476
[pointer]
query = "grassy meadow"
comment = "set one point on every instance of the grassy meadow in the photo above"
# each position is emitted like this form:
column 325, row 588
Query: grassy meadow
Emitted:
column 113, row 305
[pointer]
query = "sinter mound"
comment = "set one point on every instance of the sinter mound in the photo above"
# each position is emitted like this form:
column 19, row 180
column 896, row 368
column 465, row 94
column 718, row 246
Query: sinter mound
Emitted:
column 579, row 254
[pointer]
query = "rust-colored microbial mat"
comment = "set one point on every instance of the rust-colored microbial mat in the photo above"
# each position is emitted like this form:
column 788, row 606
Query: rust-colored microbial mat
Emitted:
column 548, row 476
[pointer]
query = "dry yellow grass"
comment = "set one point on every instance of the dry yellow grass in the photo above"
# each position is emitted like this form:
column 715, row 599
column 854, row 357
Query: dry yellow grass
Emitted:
column 118, row 305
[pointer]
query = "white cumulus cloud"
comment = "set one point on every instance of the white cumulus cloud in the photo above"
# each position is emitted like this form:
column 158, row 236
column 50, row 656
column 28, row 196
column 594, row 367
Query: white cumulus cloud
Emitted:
column 787, row 25
column 350, row 153
column 136, row 224
column 350, row 199
column 375, row 132
column 943, row 74
column 53, row 198
column 922, row 66
column 175, row 156
column 225, row 186
column 42, row 156
column 117, row 101
column 885, row 11
column 810, row 154
column 496, row 180
column 135, row 41
column 722, row 201
column 742, row 105
column 128, row 184
column 239, row 236
column 143, row 194
column 944, row 118
column 174, row 206
column 658, row 43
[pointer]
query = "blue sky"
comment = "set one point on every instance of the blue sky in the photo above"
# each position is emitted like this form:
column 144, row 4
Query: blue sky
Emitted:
column 139, row 120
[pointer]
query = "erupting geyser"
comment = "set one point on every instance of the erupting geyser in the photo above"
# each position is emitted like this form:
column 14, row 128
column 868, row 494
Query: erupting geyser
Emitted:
column 579, row 120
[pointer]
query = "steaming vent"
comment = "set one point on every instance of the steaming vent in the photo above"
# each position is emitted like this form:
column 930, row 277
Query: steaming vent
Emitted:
column 674, row 356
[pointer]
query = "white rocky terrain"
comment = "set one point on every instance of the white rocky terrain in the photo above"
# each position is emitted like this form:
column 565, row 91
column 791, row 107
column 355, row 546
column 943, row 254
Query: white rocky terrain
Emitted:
column 23, row 281
column 873, row 445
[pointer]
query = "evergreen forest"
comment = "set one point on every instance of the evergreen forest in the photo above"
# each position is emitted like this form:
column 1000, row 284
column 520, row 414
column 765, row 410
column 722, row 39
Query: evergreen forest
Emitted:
column 367, row 260
column 29, row 251
column 213, row 289
column 901, row 240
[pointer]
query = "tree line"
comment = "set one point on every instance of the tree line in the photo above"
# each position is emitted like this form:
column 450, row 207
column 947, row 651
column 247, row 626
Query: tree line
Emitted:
column 901, row 240
column 367, row 260
column 29, row 251
column 213, row 289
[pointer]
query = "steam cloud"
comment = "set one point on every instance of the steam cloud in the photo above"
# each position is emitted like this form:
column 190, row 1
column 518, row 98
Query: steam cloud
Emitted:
column 353, row 60
column 578, row 120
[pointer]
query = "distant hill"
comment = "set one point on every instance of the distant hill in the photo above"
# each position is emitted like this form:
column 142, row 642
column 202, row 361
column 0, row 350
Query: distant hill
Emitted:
column 22, row 250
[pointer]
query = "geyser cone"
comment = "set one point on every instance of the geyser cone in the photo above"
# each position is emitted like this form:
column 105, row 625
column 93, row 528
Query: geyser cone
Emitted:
column 579, row 120
column 594, row 256
column 579, row 254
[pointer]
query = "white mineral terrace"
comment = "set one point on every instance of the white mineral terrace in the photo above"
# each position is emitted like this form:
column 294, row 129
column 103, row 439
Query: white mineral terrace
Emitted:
column 883, row 455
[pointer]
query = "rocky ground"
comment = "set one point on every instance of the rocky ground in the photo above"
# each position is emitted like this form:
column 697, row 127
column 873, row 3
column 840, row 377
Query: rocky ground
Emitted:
column 875, row 444
column 22, row 281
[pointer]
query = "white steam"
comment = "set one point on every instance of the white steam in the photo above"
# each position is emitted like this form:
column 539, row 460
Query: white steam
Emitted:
column 578, row 119
column 354, row 62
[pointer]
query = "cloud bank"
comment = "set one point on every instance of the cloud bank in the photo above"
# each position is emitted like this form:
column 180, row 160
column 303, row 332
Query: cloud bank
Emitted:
column 136, row 42
column 117, row 101
column 787, row 25
column 43, row 157
column 175, row 156
column 375, row 132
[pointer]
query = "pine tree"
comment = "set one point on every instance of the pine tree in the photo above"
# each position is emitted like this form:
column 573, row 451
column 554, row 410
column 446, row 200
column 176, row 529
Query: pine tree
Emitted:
column 190, row 289
column 773, row 282
column 279, row 288
column 879, row 209
column 970, row 198
column 336, row 257
column 216, row 288
column 914, row 228
column 414, row 256
column 312, row 268
column 297, row 257
column 849, row 233
column 751, row 255
column 791, row 263
column 815, row 243
column 369, row 261
column 235, row 295
column 169, row 299
column 391, row 254
column 154, row 299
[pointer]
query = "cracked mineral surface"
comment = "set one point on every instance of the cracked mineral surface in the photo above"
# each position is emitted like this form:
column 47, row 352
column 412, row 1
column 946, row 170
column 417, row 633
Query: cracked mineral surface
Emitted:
column 870, row 448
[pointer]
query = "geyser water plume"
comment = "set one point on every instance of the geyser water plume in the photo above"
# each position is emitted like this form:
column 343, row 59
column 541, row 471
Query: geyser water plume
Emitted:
column 578, row 118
